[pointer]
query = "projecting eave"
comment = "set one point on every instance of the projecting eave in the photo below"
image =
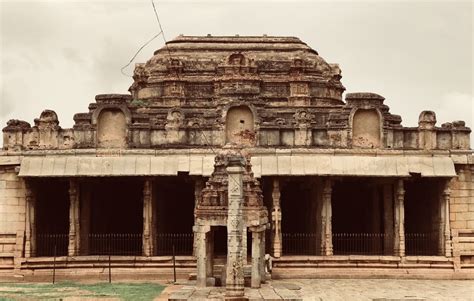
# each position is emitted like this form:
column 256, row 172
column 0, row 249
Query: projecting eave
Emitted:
column 278, row 162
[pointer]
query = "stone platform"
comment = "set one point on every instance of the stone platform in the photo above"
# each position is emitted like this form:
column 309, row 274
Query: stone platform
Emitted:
column 335, row 289
column 275, row 291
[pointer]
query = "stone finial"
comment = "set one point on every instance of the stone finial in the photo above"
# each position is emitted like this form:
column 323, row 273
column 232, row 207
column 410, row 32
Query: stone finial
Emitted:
column 459, row 124
column 427, row 120
column 16, row 125
column 47, row 119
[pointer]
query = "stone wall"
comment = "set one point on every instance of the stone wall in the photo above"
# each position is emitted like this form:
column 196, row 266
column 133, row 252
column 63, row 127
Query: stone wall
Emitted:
column 462, row 216
column 12, row 214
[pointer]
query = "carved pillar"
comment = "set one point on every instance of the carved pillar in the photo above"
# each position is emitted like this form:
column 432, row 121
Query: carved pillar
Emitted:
column 74, row 225
column 276, row 219
column 210, row 254
column 30, row 230
column 326, row 219
column 198, row 187
column 202, row 236
column 148, row 230
column 445, row 247
column 235, row 229
column 388, row 219
column 262, row 257
column 256, row 276
column 399, row 227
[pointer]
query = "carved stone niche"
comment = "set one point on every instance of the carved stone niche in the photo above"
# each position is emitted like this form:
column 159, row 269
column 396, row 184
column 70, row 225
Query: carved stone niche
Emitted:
column 175, row 67
column 112, row 128
column 240, row 126
column 303, row 118
column 427, row 120
column 366, row 128
column 299, row 89
column 299, row 94
column 174, row 119
column 174, row 89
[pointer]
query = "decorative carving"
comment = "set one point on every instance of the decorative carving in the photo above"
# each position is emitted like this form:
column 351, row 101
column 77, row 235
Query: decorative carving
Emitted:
column 48, row 120
column 303, row 117
column 174, row 119
column 299, row 89
column 427, row 120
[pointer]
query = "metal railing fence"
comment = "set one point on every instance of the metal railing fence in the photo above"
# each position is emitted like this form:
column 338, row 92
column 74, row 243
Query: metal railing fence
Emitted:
column 183, row 243
column 301, row 244
column 48, row 245
column 421, row 244
column 360, row 243
column 115, row 244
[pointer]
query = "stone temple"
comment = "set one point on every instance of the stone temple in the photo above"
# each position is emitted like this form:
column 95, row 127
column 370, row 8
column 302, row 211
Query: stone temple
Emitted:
column 228, row 149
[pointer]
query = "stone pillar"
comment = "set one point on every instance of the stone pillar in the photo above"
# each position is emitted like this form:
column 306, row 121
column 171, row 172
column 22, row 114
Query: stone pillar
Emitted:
column 262, row 258
column 388, row 218
column 235, row 229
column 399, row 227
column 326, row 219
column 30, row 230
column 74, row 225
column 147, row 239
column 445, row 244
column 256, row 279
column 276, row 219
column 202, row 236
column 244, row 246
column 210, row 254
column 198, row 186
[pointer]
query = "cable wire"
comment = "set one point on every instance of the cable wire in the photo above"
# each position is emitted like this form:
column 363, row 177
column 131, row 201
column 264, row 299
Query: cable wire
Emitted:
column 162, row 32
column 140, row 49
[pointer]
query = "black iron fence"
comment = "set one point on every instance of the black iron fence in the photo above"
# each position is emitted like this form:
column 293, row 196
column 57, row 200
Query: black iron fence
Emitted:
column 115, row 244
column 361, row 243
column 52, row 244
column 301, row 244
column 421, row 244
column 183, row 244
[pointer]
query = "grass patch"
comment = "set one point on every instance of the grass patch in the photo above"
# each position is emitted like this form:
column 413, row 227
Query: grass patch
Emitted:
column 123, row 291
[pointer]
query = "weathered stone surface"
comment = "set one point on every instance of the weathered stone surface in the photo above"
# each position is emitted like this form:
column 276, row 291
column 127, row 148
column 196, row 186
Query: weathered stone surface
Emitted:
column 202, row 106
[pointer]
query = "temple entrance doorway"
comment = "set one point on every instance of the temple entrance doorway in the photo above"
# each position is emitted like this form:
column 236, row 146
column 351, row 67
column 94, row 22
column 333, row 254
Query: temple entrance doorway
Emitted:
column 115, row 210
column 422, row 216
column 299, row 217
column 52, row 216
column 358, row 219
column 174, row 197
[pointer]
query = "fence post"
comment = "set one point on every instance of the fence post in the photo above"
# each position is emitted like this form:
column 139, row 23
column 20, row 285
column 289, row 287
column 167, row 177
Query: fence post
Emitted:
column 110, row 271
column 54, row 264
column 174, row 266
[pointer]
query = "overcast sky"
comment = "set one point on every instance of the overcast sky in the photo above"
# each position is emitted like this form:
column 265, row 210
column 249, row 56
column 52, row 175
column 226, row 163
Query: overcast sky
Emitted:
column 59, row 54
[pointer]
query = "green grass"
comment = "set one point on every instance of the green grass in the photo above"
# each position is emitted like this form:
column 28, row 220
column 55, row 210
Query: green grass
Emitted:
column 124, row 291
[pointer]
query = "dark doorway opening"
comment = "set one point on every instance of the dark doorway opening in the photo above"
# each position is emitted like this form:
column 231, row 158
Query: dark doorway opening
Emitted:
column 357, row 217
column 422, row 198
column 299, row 217
column 116, row 216
column 52, row 217
column 220, row 241
column 174, row 215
